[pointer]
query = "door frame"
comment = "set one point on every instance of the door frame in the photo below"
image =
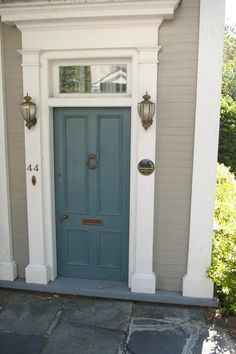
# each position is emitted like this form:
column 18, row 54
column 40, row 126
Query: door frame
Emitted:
column 37, row 68
column 95, row 101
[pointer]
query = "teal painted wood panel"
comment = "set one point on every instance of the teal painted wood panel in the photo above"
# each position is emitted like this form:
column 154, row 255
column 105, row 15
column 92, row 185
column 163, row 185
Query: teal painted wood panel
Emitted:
column 76, row 182
column 85, row 251
column 110, row 152
column 107, row 241
column 77, row 247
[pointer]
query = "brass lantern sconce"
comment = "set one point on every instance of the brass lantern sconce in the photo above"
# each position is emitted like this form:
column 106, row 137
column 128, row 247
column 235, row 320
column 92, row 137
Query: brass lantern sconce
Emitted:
column 146, row 111
column 28, row 111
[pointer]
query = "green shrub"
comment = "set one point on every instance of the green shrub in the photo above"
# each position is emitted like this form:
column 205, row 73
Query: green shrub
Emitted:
column 227, row 139
column 223, row 268
column 229, row 63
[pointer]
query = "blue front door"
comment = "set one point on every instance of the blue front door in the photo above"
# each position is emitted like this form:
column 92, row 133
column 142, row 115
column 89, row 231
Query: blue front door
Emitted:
column 92, row 153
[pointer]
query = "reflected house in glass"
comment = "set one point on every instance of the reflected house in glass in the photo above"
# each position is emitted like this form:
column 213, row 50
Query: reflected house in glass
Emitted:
column 115, row 81
column 91, row 214
column 93, row 78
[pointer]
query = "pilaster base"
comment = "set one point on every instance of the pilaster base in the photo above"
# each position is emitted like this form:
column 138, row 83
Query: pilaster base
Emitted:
column 143, row 283
column 8, row 271
column 37, row 274
column 198, row 287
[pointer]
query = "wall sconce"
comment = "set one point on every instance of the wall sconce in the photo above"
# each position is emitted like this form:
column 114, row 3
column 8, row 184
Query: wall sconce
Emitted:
column 28, row 111
column 146, row 110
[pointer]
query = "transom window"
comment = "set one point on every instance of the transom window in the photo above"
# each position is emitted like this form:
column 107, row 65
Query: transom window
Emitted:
column 91, row 78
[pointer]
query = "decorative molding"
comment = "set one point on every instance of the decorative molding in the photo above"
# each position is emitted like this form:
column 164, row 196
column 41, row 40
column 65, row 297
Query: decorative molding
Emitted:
column 44, row 25
column 54, row 10
column 65, row 2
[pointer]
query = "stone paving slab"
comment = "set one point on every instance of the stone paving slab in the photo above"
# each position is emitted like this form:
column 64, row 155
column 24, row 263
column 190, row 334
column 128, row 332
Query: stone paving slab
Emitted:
column 155, row 342
column 4, row 296
column 29, row 314
column 143, row 310
column 156, row 329
column 71, row 339
column 98, row 313
column 11, row 343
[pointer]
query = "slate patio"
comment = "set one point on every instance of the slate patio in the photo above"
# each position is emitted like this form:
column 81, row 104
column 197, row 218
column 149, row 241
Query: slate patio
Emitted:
column 39, row 323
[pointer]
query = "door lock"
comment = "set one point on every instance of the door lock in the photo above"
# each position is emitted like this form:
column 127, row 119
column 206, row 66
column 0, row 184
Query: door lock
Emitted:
column 63, row 218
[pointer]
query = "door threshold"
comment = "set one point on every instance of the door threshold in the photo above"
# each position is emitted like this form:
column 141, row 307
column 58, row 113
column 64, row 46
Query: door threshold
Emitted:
column 107, row 289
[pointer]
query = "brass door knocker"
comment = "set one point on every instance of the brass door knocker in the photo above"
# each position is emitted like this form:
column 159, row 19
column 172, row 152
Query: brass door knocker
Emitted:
column 92, row 162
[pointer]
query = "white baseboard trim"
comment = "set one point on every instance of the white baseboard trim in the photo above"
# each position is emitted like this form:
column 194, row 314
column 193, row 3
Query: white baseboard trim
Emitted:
column 37, row 274
column 198, row 287
column 8, row 271
column 143, row 283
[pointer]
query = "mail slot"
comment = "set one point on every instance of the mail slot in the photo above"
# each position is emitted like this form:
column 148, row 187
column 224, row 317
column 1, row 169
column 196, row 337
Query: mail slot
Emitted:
column 92, row 222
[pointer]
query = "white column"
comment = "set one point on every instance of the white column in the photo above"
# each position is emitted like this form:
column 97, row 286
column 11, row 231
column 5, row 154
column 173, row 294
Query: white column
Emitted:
column 211, row 31
column 37, row 271
column 143, row 279
column 8, row 269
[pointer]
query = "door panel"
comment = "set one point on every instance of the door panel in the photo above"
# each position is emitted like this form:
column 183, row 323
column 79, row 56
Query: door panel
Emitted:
column 76, row 140
column 92, row 188
column 110, row 151
column 108, row 240
column 77, row 247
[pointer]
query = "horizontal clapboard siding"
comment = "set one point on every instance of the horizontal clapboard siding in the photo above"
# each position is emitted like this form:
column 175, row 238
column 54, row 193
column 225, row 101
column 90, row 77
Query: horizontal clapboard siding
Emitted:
column 16, row 149
column 175, row 134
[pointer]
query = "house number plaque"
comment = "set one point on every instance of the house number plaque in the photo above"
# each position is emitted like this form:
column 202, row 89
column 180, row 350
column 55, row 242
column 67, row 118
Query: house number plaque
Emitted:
column 146, row 167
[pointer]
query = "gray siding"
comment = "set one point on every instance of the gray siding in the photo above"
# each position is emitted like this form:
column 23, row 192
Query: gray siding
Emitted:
column 175, row 138
column 14, row 94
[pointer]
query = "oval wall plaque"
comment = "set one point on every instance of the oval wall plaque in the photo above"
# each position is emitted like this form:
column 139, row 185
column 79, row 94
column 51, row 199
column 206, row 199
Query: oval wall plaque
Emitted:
column 146, row 167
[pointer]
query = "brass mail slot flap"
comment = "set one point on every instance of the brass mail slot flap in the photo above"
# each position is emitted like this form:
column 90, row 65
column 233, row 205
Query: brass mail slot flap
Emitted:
column 93, row 222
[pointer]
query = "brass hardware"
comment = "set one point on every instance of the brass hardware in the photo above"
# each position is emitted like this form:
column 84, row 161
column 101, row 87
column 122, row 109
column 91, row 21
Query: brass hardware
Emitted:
column 92, row 222
column 63, row 218
column 146, row 167
column 28, row 111
column 92, row 162
column 146, row 111
column 33, row 179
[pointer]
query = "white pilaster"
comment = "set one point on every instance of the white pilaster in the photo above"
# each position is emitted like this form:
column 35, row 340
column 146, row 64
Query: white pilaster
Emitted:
column 211, row 31
column 37, row 271
column 8, row 269
column 143, row 279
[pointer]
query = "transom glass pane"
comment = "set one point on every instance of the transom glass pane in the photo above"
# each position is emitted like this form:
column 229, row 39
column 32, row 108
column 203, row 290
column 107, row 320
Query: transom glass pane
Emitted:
column 93, row 78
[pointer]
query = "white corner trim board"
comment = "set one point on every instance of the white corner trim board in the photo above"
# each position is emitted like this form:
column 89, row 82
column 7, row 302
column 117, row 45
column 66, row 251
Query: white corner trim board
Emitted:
column 211, row 33
column 8, row 269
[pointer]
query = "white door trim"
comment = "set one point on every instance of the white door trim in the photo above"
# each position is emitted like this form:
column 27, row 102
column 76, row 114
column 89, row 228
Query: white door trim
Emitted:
column 35, row 62
column 8, row 269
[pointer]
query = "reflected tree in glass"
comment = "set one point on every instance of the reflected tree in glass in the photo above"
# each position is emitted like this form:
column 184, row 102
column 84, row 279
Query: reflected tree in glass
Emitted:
column 75, row 79
column 93, row 78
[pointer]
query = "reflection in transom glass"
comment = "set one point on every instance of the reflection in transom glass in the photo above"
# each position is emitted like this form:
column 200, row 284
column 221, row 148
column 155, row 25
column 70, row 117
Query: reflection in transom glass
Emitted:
column 93, row 78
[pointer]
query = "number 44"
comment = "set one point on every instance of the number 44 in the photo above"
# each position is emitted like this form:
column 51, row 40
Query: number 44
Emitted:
column 36, row 168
